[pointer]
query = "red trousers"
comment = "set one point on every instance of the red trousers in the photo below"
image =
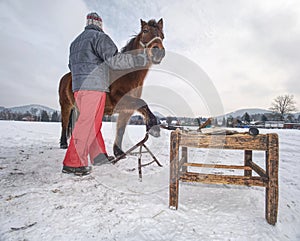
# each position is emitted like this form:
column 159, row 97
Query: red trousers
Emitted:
column 86, row 138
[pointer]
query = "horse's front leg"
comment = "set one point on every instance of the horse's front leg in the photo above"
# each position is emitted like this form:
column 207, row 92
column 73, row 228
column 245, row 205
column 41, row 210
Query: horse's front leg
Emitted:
column 152, row 125
column 121, row 125
column 130, row 103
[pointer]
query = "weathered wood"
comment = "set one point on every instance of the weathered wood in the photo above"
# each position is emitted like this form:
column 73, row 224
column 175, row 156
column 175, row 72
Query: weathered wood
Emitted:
column 174, row 170
column 182, row 164
column 261, row 172
column 223, row 179
column 217, row 166
column 140, row 164
column 267, row 178
column 152, row 155
column 247, row 160
column 184, row 155
column 272, row 173
column 205, row 124
column 130, row 151
column 237, row 141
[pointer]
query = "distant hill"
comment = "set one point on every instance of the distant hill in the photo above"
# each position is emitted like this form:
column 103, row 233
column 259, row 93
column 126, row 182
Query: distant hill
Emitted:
column 297, row 114
column 33, row 109
column 250, row 111
column 157, row 114
column 30, row 113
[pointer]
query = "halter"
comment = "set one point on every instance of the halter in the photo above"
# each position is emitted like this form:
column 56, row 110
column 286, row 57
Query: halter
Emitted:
column 146, row 45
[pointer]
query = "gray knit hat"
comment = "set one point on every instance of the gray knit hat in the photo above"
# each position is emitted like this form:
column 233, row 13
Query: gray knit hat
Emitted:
column 95, row 19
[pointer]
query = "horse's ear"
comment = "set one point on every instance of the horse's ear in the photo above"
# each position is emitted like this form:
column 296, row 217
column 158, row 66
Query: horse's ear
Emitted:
column 160, row 23
column 143, row 23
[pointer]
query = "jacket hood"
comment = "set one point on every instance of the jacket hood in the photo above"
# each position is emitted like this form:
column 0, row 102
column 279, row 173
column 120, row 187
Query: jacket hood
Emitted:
column 95, row 27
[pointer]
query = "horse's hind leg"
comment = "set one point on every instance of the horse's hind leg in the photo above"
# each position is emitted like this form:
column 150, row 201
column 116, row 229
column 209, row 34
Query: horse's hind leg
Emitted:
column 65, row 116
column 66, row 101
column 121, row 125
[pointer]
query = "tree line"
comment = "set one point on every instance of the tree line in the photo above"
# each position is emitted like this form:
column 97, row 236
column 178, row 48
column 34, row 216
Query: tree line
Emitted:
column 44, row 116
column 282, row 106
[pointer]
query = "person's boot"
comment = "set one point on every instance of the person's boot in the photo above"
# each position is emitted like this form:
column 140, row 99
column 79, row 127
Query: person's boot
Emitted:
column 78, row 171
column 102, row 158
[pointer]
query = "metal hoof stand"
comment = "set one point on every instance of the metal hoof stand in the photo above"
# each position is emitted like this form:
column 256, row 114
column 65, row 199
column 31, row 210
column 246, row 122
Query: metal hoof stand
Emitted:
column 267, row 178
column 139, row 145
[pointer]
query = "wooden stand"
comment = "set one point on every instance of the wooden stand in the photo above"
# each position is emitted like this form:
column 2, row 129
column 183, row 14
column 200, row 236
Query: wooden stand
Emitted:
column 139, row 145
column 267, row 178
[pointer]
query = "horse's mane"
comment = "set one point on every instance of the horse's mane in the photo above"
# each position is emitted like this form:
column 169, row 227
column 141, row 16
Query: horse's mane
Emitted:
column 130, row 44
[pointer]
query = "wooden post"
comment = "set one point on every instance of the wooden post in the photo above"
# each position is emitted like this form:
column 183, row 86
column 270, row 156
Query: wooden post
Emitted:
column 174, row 170
column 185, row 157
column 272, row 174
column 247, row 160
column 140, row 163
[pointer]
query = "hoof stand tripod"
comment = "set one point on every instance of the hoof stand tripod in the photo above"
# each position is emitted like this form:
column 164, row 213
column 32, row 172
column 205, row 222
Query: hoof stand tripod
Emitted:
column 139, row 145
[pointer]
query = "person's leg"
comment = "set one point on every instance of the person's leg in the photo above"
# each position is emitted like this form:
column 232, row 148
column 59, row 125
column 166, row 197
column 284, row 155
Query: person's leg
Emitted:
column 97, row 143
column 84, row 131
column 72, row 158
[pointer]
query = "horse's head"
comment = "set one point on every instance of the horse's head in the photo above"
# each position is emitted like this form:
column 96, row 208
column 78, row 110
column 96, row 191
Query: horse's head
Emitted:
column 151, row 39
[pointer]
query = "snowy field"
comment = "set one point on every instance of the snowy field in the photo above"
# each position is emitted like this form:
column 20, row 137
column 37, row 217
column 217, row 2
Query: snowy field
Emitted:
column 38, row 202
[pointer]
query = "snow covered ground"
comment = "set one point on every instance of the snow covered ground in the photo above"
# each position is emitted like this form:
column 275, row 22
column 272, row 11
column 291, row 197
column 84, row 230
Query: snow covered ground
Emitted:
column 38, row 202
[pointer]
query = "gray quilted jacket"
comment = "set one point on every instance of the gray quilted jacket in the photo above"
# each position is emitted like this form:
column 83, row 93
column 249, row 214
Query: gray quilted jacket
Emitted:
column 90, row 55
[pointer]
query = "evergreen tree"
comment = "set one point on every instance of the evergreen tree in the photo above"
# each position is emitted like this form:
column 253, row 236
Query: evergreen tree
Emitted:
column 215, row 122
column 264, row 118
column 224, row 122
column 246, row 118
column 44, row 116
column 229, row 122
column 55, row 117
column 290, row 118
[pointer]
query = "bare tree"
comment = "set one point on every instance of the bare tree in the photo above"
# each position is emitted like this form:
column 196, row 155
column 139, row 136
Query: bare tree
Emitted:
column 283, row 104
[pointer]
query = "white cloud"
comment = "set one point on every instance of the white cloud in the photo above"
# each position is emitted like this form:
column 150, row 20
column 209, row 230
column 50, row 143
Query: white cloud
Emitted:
column 35, row 38
column 248, row 48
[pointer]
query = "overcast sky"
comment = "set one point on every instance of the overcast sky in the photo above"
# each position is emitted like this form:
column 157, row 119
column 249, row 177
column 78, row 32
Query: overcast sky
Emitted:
column 249, row 49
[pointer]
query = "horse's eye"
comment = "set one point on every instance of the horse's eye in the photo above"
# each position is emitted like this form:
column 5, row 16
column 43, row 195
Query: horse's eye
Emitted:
column 145, row 31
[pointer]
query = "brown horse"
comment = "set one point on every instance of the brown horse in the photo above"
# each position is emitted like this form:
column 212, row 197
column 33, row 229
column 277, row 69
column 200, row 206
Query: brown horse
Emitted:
column 125, row 89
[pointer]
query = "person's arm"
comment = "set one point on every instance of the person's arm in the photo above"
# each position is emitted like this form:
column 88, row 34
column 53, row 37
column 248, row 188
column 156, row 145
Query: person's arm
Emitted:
column 119, row 61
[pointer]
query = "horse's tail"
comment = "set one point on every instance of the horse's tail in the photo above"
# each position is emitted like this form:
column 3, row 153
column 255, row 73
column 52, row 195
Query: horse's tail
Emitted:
column 72, row 120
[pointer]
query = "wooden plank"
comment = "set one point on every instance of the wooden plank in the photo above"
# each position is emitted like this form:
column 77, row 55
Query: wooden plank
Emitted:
column 217, row 166
column 272, row 157
column 184, row 159
column 247, row 160
column 257, row 169
column 174, row 170
column 223, row 179
column 236, row 141
column 182, row 162
column 267, row 178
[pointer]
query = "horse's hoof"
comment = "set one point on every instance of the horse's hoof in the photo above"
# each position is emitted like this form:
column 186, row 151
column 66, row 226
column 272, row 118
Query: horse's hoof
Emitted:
column 63, row 146
column 118, row 152
column 154, row 131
